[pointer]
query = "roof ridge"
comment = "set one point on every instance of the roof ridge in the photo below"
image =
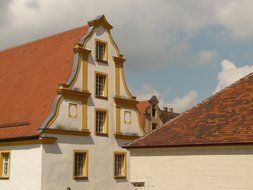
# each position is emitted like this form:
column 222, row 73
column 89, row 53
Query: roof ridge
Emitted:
column 190, row 109
column 43, row 38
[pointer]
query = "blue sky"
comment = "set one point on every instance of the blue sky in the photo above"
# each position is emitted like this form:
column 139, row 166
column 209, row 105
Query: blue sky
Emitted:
column 182, row 51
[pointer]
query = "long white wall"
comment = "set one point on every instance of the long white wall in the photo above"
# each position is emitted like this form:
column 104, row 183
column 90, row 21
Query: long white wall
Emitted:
column 212, row 168
column 25, row 168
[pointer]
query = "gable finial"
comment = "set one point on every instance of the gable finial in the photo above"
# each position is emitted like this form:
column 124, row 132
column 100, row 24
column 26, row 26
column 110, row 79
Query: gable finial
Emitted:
column 100, row 21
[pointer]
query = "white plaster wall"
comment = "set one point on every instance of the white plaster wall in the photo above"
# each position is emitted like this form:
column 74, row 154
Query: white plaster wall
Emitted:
column 209, row 168
column 25, row 168
column 63, row 121
column 58, row 164
column 123, row 92
column 133, row 127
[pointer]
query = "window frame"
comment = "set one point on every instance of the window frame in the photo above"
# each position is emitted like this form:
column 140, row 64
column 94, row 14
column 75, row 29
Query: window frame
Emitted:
column 85, row 165
column 105, row 54
column 105, row 125
column 124, row 167
column 1, row 164
column 152, row 127
column 104, row 95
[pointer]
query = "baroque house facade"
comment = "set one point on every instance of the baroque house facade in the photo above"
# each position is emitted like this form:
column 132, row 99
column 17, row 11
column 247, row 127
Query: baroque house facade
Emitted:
column 78, row 144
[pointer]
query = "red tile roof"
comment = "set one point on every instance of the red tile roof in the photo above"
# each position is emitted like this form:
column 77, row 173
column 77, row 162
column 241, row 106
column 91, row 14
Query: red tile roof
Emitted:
column 142, row 106
column 224, row 118
column 29, row 76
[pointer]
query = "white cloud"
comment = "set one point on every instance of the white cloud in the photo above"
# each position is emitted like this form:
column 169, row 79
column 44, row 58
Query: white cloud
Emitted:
column 161, row 37
column 205, row 56
column 230, row 74
column 179, row 104
column 237, row 19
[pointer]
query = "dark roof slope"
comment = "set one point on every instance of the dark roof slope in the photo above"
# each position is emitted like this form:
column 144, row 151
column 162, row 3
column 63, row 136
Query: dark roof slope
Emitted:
column 29, row 76
column 224, row 118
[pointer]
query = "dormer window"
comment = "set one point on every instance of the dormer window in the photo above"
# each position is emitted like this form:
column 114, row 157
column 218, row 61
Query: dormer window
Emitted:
column 154, row 126
column 101, row 51
column 153, row 111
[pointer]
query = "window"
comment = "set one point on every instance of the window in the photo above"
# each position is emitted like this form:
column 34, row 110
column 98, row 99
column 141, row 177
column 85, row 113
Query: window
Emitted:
column 101, row 85
column 101, row 51
column 119, row 165
column 153, row 111
column 153, row 126
column 80, row 164
column 101, row 122
column 5, row 164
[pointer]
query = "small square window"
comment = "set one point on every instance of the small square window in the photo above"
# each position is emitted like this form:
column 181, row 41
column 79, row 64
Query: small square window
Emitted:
column 101, row 85
column 5, row 164
column 101, row 122
column 101, row 51
column 80, row 164
column 119, row 165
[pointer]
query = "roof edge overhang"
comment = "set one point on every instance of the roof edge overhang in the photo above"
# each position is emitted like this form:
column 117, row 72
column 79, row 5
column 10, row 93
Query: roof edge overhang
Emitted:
column 190, row 145
column 27, row 140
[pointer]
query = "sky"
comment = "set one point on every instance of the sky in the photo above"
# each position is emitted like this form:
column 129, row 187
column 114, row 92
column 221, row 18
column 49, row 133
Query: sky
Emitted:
column 182, row 51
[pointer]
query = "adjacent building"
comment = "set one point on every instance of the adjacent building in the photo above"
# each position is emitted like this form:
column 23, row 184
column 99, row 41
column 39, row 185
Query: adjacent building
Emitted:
column 66, row 112
column 151, row 116
column 209, row 147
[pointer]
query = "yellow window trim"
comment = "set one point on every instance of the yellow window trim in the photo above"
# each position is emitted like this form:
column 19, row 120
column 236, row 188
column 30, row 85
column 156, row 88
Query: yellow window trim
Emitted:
column 86, row 165
column 105, row 92
column 105, row 127
column 1, row 164
column 105, row 56
column 124, row 169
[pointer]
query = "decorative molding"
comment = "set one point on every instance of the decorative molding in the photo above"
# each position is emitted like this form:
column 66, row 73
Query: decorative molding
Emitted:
column 78, row 48
column 67, row 132
column 100, row 21
column 125, row 102
column 73, row 94
column 118, row 61
column 133, row 136
column 41, row 140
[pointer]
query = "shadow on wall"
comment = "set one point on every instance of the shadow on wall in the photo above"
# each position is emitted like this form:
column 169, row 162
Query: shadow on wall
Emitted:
column 64, row 139
column 188, row 151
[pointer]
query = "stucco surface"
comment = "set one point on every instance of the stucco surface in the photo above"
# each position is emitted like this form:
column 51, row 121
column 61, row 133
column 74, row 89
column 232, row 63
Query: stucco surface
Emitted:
column 209, row 168
column 25, row 168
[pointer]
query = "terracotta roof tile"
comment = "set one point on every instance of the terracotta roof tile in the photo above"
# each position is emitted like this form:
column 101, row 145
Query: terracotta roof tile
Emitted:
column 29, row 76
column 224, row 118
column 142, row 106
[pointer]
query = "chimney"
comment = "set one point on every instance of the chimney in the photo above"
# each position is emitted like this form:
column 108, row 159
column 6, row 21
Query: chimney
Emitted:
column 165, row 109
column 171, row 110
